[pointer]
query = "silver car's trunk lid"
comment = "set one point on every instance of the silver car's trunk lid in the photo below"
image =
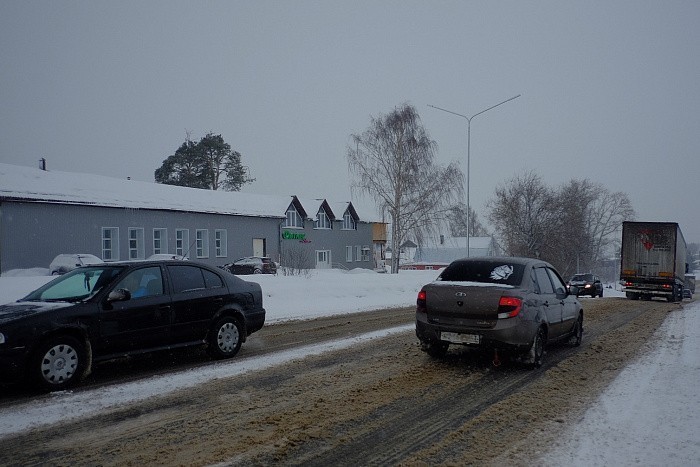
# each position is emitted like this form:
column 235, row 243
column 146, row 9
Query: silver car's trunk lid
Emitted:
column 464, row 300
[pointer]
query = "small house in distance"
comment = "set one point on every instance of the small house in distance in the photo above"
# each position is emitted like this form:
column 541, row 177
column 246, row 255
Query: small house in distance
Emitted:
column 441, row 251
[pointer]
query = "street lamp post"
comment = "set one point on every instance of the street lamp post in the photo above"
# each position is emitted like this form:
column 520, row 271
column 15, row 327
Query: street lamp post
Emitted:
column 469, row 132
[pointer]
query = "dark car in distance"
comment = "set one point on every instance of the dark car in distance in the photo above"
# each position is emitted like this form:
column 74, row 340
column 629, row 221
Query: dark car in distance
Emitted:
column 104, row 311
column 587, row 284
column 251, row 265
column 511, row 306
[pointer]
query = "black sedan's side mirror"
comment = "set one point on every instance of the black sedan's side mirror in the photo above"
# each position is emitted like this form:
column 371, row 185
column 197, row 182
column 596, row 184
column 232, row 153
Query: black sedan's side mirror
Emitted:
column 119, row 295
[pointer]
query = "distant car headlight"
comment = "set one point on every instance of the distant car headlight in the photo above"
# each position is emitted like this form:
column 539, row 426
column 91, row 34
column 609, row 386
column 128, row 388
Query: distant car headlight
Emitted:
column 587, row 286
column 2, row 338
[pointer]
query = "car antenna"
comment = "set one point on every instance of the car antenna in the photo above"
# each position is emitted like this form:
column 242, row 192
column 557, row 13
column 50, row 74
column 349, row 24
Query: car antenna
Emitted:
column 187, row 253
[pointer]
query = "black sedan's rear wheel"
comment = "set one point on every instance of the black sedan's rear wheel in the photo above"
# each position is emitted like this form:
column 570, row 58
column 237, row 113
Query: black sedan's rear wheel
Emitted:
column 59, row 363
column 225, row 338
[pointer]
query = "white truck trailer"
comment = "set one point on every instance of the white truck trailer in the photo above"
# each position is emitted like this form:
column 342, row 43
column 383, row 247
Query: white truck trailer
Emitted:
column 653, row 260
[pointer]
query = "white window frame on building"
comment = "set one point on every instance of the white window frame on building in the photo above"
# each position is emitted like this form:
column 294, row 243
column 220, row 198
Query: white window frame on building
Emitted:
column 202, row 243
column 160, row 241
column 348, row 253
column 294, row 220
column 349, row 221
column 365, row 253
column 110, row 243
column 182, row 242
column 220, row 243
column 322, row 220
column 137, row 249
column 358, row 253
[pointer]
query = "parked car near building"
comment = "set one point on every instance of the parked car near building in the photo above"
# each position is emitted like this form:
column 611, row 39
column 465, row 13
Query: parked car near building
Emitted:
column 503, row 304
column 101, row 312
column 587, row 284
column 252, row 265
column 64, row 263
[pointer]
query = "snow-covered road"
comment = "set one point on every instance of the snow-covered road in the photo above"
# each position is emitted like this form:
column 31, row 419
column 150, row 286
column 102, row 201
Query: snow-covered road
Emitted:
column 650, row 415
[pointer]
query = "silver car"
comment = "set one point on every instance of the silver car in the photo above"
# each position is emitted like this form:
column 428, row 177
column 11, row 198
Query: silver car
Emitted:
column 509, row 305
column 66, row 262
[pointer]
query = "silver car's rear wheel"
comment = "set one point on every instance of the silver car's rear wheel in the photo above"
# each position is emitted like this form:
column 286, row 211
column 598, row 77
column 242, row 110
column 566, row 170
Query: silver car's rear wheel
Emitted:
column 534, row 355
column 436, row 349
column 577, row 333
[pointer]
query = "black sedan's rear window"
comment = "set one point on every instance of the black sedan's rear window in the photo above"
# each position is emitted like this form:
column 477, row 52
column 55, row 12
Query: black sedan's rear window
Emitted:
column 500, row 272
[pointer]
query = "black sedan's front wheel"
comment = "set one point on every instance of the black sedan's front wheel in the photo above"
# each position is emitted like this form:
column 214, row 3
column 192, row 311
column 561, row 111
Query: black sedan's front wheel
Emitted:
column 225, row 338
column 59, row 362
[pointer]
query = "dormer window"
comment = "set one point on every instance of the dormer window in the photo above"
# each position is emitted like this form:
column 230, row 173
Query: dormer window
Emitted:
column 322, row 220
column 294, row 220
column 349, row 221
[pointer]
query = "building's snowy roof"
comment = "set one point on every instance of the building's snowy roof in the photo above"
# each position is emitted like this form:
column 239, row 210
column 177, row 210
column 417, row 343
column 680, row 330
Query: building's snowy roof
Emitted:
column 461, row 242
column 35, row 185
column 453, row 248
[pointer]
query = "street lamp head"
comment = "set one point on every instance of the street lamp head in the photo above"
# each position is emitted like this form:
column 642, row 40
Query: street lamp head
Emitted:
column 469, row 121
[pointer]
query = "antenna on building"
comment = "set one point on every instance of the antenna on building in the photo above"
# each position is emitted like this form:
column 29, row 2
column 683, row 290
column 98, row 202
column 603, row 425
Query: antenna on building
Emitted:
column 42, row 163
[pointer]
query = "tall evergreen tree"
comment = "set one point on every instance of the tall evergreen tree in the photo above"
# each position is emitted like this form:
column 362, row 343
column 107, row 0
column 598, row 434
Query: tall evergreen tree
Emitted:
column 209, row 164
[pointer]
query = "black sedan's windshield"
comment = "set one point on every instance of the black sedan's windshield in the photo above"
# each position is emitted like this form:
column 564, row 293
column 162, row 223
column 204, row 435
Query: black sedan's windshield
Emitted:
column 79, row 284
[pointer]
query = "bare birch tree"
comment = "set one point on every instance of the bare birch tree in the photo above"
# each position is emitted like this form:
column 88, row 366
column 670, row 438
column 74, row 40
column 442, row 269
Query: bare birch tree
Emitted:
column 393, row 162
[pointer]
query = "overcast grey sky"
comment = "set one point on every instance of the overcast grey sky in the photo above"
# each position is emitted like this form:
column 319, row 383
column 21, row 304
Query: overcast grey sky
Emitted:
column 609, row 89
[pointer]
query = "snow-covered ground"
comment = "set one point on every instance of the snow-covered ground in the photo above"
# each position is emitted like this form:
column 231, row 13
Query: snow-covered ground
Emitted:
column 650, row 415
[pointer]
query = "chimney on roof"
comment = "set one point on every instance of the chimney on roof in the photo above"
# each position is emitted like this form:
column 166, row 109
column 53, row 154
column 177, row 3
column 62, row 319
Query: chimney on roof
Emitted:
column 42, row 163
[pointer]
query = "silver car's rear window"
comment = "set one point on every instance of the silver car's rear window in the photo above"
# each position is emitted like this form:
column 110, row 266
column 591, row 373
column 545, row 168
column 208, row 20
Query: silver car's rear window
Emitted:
column 484, row 271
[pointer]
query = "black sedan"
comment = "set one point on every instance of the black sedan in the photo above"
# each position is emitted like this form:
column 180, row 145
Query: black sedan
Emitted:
column 251, row 265
column 587, row 284
column 100, row 312
column 507, row 305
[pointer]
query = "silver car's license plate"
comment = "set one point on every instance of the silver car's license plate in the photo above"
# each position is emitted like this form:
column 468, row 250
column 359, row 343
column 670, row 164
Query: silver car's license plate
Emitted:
column 457, row 338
